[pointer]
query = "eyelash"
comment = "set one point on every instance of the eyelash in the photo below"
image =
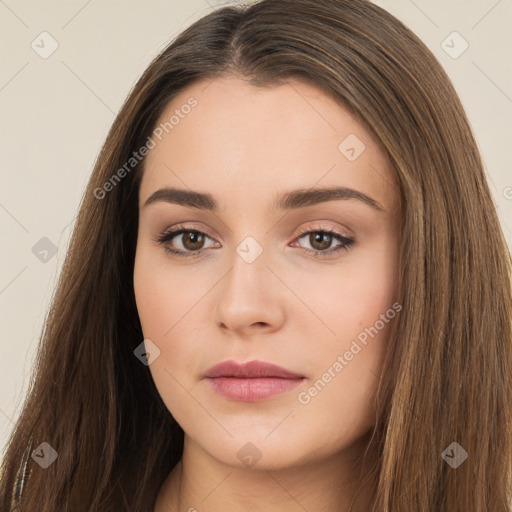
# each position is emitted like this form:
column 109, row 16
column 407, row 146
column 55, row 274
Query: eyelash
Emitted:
column 168, row 235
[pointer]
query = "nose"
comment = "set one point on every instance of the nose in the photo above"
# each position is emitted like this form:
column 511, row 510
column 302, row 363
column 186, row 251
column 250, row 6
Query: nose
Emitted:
column 250, row 298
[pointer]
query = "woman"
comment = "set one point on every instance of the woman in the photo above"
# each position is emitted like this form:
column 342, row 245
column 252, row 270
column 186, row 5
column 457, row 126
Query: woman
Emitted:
column 287, row 288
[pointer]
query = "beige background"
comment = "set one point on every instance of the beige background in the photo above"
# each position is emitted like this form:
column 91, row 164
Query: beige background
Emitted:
column 56, row 112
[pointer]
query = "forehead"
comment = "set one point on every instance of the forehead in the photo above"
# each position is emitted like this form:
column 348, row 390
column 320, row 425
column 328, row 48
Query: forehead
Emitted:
column 225, row 136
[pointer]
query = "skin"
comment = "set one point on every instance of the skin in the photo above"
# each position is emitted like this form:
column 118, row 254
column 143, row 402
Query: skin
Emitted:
column 245, row 146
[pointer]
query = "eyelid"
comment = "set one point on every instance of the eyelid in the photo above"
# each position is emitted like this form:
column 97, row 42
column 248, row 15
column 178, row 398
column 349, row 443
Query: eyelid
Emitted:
column 301, row 231
column 328, row 229
column 178, row 229
column 184, row 226
column 345, row 240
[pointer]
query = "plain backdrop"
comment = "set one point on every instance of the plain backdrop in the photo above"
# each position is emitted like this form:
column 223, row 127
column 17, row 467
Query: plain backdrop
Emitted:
column 56, row 109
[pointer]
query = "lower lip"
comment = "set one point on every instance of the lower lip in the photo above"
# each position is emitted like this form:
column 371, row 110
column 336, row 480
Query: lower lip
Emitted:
column 252, row 390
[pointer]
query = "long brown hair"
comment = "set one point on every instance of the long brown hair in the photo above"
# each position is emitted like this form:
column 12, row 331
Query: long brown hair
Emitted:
column 447, row 377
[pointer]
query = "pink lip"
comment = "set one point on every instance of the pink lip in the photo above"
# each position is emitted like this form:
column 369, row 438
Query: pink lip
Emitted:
column 252, row 381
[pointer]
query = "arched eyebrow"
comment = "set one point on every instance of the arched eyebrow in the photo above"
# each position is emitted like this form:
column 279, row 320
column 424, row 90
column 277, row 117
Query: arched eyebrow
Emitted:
column 303, row 198
column 294, row 199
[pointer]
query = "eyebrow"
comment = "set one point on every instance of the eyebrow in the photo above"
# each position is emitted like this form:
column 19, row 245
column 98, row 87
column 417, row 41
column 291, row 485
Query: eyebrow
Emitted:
column 300, row 198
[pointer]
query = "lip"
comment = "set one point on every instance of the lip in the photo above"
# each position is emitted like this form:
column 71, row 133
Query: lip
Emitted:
column 251, row 382
column 250, row 370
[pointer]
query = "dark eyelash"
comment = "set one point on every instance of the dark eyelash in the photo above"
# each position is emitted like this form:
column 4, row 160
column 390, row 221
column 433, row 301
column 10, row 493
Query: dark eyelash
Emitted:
column 165, row 236
column 345, row 240
column 170, row 234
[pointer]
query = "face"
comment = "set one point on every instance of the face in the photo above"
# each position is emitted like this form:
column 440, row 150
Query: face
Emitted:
column 253, row 272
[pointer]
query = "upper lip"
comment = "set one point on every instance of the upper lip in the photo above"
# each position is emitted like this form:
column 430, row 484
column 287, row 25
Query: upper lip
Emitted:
column 250, row 370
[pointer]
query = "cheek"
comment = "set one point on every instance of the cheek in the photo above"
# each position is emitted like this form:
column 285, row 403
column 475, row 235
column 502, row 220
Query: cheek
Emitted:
column 358, row 308
column 351, row 297
column 158, row 303
column 171, row 313
column 163, row 293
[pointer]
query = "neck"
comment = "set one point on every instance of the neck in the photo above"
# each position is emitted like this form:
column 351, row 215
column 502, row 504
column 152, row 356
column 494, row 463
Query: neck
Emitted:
column 200, row 483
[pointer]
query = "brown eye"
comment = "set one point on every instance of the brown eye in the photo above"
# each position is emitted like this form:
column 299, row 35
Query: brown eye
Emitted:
column 192, row 240
column 183, row 242
column 320, row 241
